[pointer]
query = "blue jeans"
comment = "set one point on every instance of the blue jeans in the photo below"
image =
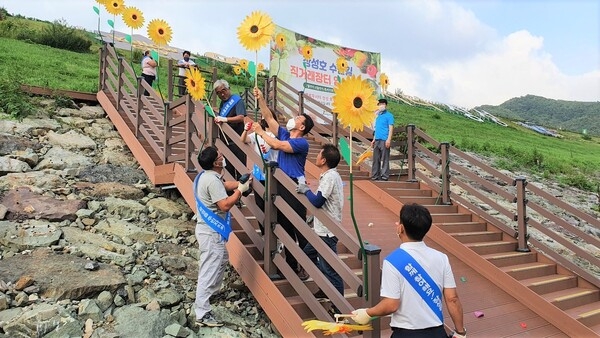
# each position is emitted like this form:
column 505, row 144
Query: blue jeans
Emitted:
column 325, row 268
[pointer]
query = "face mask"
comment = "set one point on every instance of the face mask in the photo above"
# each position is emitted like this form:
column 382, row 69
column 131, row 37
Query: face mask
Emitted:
column 186, row 59
column 380, row 108
column 224, row 162
column 291, row 124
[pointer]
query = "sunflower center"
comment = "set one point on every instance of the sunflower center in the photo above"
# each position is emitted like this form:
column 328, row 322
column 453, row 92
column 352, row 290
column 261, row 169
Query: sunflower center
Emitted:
column 193, row 83
column 161, row 31
column 254, row 29
column 357, row 102
column 115, row 5
column 134, row 17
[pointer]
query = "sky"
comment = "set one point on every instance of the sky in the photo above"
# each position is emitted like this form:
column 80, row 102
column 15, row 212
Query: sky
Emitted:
column 465, row 52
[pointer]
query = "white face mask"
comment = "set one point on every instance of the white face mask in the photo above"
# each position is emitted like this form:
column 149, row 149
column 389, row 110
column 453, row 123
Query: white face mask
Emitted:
column 380, row 108
column 224, row 163
column 291, row 124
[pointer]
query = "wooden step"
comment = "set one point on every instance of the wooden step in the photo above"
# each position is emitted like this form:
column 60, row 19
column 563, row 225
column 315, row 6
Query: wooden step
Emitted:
column 573, row 297
column 477, row 236
column 423, row 201
column 529, row 270
column 397, row 184
column 399, row 192
column 253, row 250
column 484, row 248
column 450, row 227
column 511, row 258
column 550, row 283
column 441, row 209
column 451, row 218
column 588, row 314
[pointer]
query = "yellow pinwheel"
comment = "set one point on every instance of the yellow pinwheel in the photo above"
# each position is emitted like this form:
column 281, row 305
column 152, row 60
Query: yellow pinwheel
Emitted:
column 355, row 101
column 133, row 18
column 114, row 7
column 159, row 32
column 333, row 328
column 194, row 82
column 384, row 81
column 255, row 31
column 244, row 64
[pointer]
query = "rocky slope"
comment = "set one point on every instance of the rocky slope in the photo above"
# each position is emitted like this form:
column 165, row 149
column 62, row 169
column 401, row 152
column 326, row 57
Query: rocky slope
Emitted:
column 89, row 248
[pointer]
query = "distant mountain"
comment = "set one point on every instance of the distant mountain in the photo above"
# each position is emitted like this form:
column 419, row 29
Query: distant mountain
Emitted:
column 558, row 114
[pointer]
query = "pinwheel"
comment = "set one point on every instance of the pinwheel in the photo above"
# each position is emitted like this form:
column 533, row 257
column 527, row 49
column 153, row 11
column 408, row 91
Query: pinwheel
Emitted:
column 332, row 328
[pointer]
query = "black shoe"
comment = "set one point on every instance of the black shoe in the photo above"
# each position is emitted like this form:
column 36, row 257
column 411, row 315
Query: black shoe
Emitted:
column 302, row 274
column 384, row 179
column 321, row 296
column 374, row 179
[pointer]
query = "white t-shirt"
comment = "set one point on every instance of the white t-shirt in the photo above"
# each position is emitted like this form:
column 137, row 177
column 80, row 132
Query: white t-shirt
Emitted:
column 332, row 189
column 182, row 69
column 146, row 68
column 414, row 313
column 271, row 154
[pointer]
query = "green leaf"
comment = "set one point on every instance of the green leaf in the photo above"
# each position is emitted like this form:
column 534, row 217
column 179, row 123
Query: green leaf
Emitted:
column 344, row 149
column 111, row 23
column 128, row 38
column 339, row 78
column 97, row 10
column 251, row 68
column 154, row 55
column 209, row 110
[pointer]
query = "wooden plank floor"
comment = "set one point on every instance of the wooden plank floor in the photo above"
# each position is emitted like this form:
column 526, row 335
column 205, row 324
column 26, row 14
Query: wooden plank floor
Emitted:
column 503, row 316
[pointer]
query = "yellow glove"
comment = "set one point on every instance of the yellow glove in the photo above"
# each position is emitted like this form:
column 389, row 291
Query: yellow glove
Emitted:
column 360, row 316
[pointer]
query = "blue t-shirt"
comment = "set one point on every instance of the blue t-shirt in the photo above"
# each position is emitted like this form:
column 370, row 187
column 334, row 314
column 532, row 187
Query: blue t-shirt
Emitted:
column 382, row 125
column 292, row 163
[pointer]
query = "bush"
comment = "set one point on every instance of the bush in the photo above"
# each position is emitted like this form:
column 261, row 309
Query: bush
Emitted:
column 13, row 101
column 17, row 29
column 60, row 35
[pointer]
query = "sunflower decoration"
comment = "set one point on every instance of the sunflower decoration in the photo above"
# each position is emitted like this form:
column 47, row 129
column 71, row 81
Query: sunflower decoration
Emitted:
column 333, row 328
column 244, row 64
column 102, row 2
column 355, row 101
column 114, row 7
column 237, row 70
column 342, row 65
column 365, row 155
column 133, row 18
column 307, row 52
column 280, row 41
column 384, row 81
column 159, row 32
column 194, row 82
column 260, row 67
column 255, row 31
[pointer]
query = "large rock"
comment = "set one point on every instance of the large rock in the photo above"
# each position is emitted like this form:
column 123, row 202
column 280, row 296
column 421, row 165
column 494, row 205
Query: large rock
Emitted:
column 134, row 322
column 38, row 179
column 11, row 165
column 22, row 203
column 128, row 209
column 36, row 126
column 167, row 208
column 101, row 131
column 59, row 158
column 109, row 189
column 112, row 173
column 175, row 227
column 117, row 157
column 10, row 144
column 61, row 276
column 85, row 112
column 25, row 236
column 122, row 229
column 97, row 247
column 71, row 140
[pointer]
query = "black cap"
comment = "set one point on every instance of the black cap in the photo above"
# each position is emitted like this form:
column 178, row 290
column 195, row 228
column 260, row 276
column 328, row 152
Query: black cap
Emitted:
column 383, row 101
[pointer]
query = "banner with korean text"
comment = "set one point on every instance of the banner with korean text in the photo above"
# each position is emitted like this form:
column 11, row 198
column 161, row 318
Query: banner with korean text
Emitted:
column 318, row 75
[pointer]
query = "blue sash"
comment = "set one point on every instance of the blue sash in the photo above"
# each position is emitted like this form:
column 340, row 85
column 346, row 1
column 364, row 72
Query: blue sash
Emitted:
column 418, row 278
column 228, row 105
column 214, row 221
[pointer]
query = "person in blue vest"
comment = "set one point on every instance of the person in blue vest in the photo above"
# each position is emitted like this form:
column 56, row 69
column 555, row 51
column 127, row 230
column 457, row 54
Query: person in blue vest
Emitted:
column 293, row 150
column 213, row 227
column 382, row 141
column 414, row 280
column 232, row 112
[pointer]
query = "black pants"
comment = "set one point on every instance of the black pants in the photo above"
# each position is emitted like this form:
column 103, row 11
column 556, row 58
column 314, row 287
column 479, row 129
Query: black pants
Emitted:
column 431, row 332
column 182, row 88
column 149, row 79
column 289, row 227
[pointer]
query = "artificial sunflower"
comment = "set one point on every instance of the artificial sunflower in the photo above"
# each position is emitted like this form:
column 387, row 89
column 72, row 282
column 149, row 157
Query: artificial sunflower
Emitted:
column 159, row 32
column 260, row 67
column 194, row 82
column 255, row 31
column 102, row 2
column 280, row 41
column 133, row 18
column 342, row 65
column 237, row 70
column 384, row 81
column 244, row 64
column 355, row 101
column 307, row 52
column 115, row 7
column 333, row 328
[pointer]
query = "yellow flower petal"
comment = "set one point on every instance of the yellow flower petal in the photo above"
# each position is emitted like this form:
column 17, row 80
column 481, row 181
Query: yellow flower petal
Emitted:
column 260, row 67
column 384, row 81
column 355, row 101
column 237, row 70
column 307, row 52
column 255, row 31
column 115, row 7
column 194, row 83
column 342, row 65
column 244, row 64
column 133, row 18
column 159, row 32
column 280, row 41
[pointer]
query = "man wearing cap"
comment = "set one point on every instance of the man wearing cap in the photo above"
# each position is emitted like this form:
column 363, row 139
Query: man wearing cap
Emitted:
column 382, row 140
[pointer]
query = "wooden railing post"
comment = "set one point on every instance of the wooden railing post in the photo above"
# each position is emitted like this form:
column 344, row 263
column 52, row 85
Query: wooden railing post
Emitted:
column 167, row 133
column 445, row 185
column 410, row 141
column 120, row 82
column 270, row 220
column 189, row 146
column 300, row 102
column 521, row 217
column 170, row 82
column 373, row 282
column 102, row 76
column 138, row 109
column 334, row 128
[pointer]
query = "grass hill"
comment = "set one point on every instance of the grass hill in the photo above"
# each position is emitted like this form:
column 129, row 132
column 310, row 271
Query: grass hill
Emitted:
column 572, row 160
column 558, row 114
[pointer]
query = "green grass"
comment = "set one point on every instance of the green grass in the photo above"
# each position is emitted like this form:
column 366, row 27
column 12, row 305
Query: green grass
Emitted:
column 571, row 160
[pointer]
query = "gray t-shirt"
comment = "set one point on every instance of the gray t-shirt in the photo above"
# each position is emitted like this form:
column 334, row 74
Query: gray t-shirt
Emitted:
column 332, row 189
column 210, row 190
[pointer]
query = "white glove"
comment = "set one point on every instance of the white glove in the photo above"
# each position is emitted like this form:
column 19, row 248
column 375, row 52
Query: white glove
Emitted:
column 248, row 126
column 219, row 119
column 453, row 334
column 302, row 188
column 360, row 316
column 243, row 187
